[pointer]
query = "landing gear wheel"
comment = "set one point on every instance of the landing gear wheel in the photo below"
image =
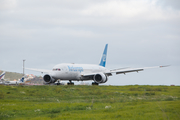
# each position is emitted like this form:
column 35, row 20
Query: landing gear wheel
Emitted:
column 70, row 83
column 58, row 83
column 94, row 83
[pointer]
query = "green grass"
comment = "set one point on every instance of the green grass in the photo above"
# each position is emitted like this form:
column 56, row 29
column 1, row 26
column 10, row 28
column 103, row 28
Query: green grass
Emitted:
column 90, row 102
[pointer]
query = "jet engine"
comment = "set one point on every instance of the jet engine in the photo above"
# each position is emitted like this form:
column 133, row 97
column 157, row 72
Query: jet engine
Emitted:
column 48, row 79
column 100, row 78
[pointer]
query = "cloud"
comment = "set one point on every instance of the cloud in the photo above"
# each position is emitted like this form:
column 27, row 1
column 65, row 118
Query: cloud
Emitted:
column 175, row 4
column 109, row 13
column 8, row 4
column 130, row 10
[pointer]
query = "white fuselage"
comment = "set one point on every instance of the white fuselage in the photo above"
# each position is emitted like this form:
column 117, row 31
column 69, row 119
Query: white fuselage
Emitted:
column 12, row 82
column 67, row 71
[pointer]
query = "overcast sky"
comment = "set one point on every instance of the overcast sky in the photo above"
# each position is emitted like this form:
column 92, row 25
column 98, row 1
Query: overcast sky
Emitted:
column 140, row 33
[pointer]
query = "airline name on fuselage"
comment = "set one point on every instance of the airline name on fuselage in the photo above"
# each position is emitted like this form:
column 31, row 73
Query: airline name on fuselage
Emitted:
column 71, row 68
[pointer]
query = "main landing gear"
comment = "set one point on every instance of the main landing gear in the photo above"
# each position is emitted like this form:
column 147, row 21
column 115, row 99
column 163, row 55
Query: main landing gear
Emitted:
column 94, row 83
column 70, row 83
column 57, row 83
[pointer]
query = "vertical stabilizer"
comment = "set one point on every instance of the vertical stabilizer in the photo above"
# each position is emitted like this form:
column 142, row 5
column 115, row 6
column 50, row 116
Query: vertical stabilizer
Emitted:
column 22, row 79
column 2, row 76
column 103, row 59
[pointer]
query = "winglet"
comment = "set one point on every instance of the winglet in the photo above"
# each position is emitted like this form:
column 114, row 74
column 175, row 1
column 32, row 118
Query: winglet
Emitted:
column 103, row 59
column 164, row 66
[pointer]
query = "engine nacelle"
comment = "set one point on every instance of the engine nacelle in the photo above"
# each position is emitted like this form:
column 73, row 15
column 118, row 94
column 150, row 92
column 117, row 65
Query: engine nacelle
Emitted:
column 100, row 78
column 48, row 79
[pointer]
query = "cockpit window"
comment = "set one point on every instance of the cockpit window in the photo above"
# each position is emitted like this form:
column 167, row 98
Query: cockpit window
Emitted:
column 57, row 69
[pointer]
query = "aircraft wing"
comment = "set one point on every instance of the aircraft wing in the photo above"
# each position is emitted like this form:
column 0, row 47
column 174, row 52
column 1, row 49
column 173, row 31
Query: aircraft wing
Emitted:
column 128, row 70
column 39, row 70
column 88, row 74
column 124, row 70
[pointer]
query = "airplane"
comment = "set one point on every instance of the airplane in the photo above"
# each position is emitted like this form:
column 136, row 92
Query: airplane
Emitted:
column 14, row 82
column 83, row 72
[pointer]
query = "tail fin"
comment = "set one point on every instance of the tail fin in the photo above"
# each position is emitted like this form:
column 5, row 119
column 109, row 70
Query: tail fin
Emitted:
column 22, row 79
column 103, row 59
column 2, row 75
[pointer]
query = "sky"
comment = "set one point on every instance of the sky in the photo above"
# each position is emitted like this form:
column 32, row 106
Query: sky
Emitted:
column 140, row 33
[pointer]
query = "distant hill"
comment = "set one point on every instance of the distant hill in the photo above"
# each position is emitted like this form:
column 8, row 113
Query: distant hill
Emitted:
column 12, row 75
column 16, row 76
column 37, row 80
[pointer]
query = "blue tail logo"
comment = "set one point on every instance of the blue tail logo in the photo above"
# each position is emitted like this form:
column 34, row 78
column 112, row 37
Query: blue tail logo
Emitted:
column 103, row 59
column 22, row 79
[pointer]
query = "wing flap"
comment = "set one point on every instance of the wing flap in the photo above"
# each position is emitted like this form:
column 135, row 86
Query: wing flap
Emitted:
column 128, row 71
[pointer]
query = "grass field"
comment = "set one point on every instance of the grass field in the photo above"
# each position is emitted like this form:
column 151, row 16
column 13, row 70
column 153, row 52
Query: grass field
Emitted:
column 90, row 102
